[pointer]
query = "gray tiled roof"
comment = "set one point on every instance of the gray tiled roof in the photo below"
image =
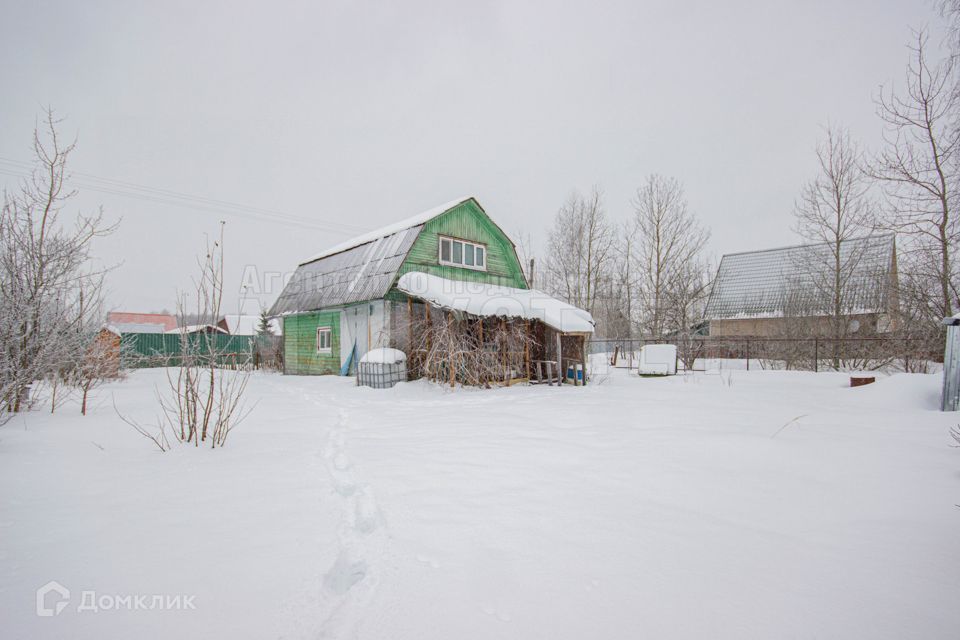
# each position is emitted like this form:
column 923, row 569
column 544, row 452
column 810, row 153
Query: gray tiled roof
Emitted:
column 763, row 284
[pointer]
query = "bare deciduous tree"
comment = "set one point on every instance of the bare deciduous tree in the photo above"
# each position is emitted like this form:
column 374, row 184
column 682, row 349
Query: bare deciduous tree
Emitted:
column 834, row 208
column 669, row 246
column 49, row 290
column 100, row 362
column 579, row 250
column 918, row 169
column 618, row 306
column 203, row 401
column 950, row 9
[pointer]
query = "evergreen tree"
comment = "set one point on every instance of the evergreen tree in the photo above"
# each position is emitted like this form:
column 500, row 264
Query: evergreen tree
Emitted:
column 263, row 328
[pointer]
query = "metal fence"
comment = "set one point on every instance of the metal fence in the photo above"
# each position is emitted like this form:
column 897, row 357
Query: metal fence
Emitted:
column 805, row 354
column 381, row 375
column 144, row 350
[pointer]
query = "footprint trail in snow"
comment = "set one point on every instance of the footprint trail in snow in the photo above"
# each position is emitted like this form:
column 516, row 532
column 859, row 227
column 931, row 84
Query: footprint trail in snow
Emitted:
column 352, row 580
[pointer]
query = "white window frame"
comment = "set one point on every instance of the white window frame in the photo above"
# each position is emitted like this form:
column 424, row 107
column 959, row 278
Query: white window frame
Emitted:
column 451, row 263
column 329, row 347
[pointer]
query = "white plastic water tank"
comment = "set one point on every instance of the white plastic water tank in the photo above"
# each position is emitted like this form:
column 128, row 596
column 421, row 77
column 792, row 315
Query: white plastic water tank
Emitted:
column 382, row 368
column 658, row 360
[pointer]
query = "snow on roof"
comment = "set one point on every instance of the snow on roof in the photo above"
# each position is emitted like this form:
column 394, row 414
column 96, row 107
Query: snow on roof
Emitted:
column 194, row 328
column 145, row 327
column 112, row 329
column 767, row 283
column 363, row 268
column 487, row 300
column 413, row 221
column 248, row 325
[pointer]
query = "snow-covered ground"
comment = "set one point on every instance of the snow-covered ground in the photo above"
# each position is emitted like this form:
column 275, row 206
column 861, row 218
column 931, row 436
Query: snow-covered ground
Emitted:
column 755, row 504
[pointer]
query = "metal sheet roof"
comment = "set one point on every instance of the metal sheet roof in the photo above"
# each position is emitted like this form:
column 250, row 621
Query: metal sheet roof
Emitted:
column 764, row 284
column 418, row 220
column 364, row 272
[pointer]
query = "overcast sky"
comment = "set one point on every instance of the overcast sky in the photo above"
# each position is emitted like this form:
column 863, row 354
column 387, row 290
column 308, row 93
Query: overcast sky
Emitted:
column 344, row 116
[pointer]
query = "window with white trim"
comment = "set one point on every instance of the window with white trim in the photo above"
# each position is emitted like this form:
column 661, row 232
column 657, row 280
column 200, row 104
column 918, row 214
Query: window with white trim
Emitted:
column 462, row 253
column 324, row 340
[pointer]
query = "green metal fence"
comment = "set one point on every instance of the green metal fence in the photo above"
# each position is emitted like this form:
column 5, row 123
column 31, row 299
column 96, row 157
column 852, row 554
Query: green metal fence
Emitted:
column 140, row 350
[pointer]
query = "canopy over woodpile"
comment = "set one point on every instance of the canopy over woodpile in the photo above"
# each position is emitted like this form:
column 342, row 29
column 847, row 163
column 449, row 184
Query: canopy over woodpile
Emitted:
column 492, row 301
column 481, row 334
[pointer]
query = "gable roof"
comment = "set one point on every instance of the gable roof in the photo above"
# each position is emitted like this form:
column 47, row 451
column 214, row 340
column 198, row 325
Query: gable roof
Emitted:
column 391, row 229
column 763, row 284
column 362, row 268
column 197, row 328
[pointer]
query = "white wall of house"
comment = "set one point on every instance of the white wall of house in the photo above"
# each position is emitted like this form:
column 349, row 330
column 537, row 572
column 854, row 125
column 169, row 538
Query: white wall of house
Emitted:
column 366, row 324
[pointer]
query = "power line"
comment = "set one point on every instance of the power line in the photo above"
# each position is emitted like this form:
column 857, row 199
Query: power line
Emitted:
column 146, row 193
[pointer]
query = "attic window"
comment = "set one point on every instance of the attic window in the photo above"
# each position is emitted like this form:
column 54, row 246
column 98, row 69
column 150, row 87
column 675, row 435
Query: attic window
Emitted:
column 462, row 253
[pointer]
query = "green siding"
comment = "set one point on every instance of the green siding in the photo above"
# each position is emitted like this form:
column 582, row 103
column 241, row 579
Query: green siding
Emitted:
column 300, row 343
column 468, row 222
column 164, row 349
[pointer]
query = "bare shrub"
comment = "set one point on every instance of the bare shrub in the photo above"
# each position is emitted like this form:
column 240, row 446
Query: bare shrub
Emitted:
column 49, row 290
column 453, row 348
column 203, row 401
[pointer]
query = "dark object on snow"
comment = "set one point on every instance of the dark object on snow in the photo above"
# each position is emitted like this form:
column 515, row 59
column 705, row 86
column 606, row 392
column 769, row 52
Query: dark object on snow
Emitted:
column 858, row 380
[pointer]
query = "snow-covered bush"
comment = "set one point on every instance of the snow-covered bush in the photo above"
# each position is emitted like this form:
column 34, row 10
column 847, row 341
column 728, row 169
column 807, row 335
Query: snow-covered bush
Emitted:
column 50, row 304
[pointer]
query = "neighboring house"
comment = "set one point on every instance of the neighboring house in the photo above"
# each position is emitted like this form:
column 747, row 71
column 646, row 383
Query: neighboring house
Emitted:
column 127, row 322
column 106, row 349
column 197, row 328
column 348, row 299
column 763, row 293
column 246, row 325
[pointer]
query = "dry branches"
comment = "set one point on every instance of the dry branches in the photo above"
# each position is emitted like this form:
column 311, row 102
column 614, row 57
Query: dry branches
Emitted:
column 452, row 348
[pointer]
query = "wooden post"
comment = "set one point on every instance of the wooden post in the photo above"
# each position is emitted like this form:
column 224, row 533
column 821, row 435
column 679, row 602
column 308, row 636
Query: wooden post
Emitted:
column 453, row 371
column 410, row 325
column 426, row 311
column 503, row 352
column 526, row 348
column 562, row 373
column 816, row 355
column 480, row 356
column 583, row 359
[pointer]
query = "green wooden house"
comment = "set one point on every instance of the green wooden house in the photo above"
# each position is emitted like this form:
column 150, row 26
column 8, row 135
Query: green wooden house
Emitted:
column 344, row 301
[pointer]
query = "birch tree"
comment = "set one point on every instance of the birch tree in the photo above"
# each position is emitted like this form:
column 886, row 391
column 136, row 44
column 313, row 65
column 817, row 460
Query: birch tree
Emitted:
column 918, row 170
column 49, row 290
column 579, row 250
column 834, row 208
column 669, row 247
